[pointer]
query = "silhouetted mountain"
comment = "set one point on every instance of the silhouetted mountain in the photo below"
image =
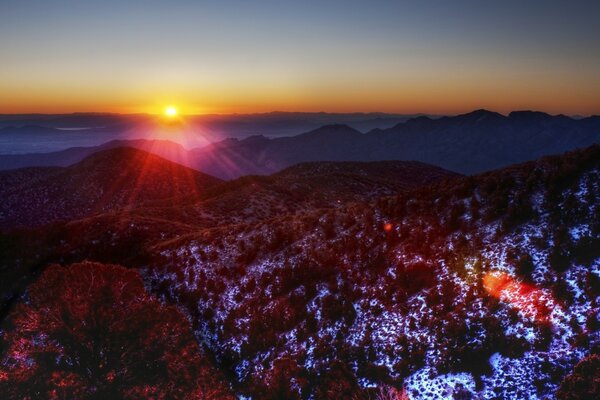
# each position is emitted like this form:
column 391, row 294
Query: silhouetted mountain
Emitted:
column 468, row 143
column 108, row 180
column 24, row 134
column 164, row 148
column 234, row 158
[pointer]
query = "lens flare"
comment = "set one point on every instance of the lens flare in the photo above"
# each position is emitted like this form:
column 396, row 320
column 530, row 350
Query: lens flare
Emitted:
column 535, row 304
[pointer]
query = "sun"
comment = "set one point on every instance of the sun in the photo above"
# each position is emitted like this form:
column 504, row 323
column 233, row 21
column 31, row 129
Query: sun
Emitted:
column 170, row 111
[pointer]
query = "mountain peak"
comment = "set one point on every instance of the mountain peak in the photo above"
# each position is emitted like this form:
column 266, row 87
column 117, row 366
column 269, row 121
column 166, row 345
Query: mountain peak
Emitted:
column 524, row 115
column 106, row 181
column 480, row 113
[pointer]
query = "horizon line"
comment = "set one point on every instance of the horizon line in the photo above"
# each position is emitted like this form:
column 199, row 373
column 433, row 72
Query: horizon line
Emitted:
column 399, row 114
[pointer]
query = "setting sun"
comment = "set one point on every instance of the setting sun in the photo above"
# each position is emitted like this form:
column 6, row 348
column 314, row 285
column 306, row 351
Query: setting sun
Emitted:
column 170, row 111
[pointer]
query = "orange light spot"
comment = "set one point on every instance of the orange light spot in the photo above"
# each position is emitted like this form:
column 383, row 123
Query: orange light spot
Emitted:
column 496, row 282
column 388, row 227
column 536, row 304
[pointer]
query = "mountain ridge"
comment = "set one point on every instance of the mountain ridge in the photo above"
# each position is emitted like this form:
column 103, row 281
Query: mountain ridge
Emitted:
column 330, row 183
column 468, row 143
column 107, row 180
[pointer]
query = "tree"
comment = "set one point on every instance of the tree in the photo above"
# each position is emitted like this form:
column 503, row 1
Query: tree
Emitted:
column 90, row 331
column 284, row 380
column 583, row 382
column 337, row 382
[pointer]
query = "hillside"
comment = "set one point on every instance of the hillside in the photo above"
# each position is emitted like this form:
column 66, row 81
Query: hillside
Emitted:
column 483, row 140
column 314, row 185
column 207, row 202
column 64, row 158
column 110, row 180
column 455, row 287
column 485, row 288
column 125, row 234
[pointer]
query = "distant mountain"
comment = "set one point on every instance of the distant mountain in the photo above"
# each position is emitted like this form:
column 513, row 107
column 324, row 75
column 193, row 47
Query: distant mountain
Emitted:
column 259, row 155
column 109, row 180
column 40, row 133
column 484, row 140
column 469, row 143
column 278, row 123
column 164, row 148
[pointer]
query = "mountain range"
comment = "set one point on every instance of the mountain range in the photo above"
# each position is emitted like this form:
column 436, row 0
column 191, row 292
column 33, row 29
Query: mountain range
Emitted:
column 43, row 133
column 133, row 180
column 470, row 143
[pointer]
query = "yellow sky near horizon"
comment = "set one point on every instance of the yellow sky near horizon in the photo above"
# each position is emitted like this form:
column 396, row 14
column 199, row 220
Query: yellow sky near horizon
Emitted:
column 236, row 57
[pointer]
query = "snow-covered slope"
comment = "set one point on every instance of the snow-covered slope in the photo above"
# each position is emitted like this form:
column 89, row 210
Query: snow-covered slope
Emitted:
column 486, row 288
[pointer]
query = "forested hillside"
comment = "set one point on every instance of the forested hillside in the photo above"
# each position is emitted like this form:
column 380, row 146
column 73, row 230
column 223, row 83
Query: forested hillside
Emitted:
column 484, row 288
column 442, row 286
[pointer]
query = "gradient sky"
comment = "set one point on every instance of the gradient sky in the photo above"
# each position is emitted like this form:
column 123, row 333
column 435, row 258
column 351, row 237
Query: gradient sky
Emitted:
column 253, row 56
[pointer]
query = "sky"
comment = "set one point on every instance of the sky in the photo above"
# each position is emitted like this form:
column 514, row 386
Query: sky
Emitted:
column 236, row 56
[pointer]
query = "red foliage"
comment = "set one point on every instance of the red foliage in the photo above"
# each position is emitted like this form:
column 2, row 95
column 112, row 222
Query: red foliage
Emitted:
column 583, row 382
column 90, row 331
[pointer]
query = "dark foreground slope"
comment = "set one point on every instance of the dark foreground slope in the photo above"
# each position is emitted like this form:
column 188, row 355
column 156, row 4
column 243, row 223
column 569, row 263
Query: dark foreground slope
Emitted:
column 90, row 331
column 487, row 288
column 110, row 180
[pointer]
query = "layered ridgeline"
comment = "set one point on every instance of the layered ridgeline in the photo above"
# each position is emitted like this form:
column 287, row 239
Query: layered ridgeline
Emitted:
column 469, row 143
column 147, row 185
column 119, row 203
column 110, row 180
column 483, row 286
column 486, row 287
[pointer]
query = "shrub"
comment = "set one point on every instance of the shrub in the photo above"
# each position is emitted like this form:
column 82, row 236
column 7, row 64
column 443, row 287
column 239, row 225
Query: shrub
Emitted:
column 583, row 382
column 90, row 331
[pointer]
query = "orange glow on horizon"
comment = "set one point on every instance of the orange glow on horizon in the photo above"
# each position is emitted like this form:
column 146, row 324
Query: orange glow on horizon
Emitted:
column 442, row 98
